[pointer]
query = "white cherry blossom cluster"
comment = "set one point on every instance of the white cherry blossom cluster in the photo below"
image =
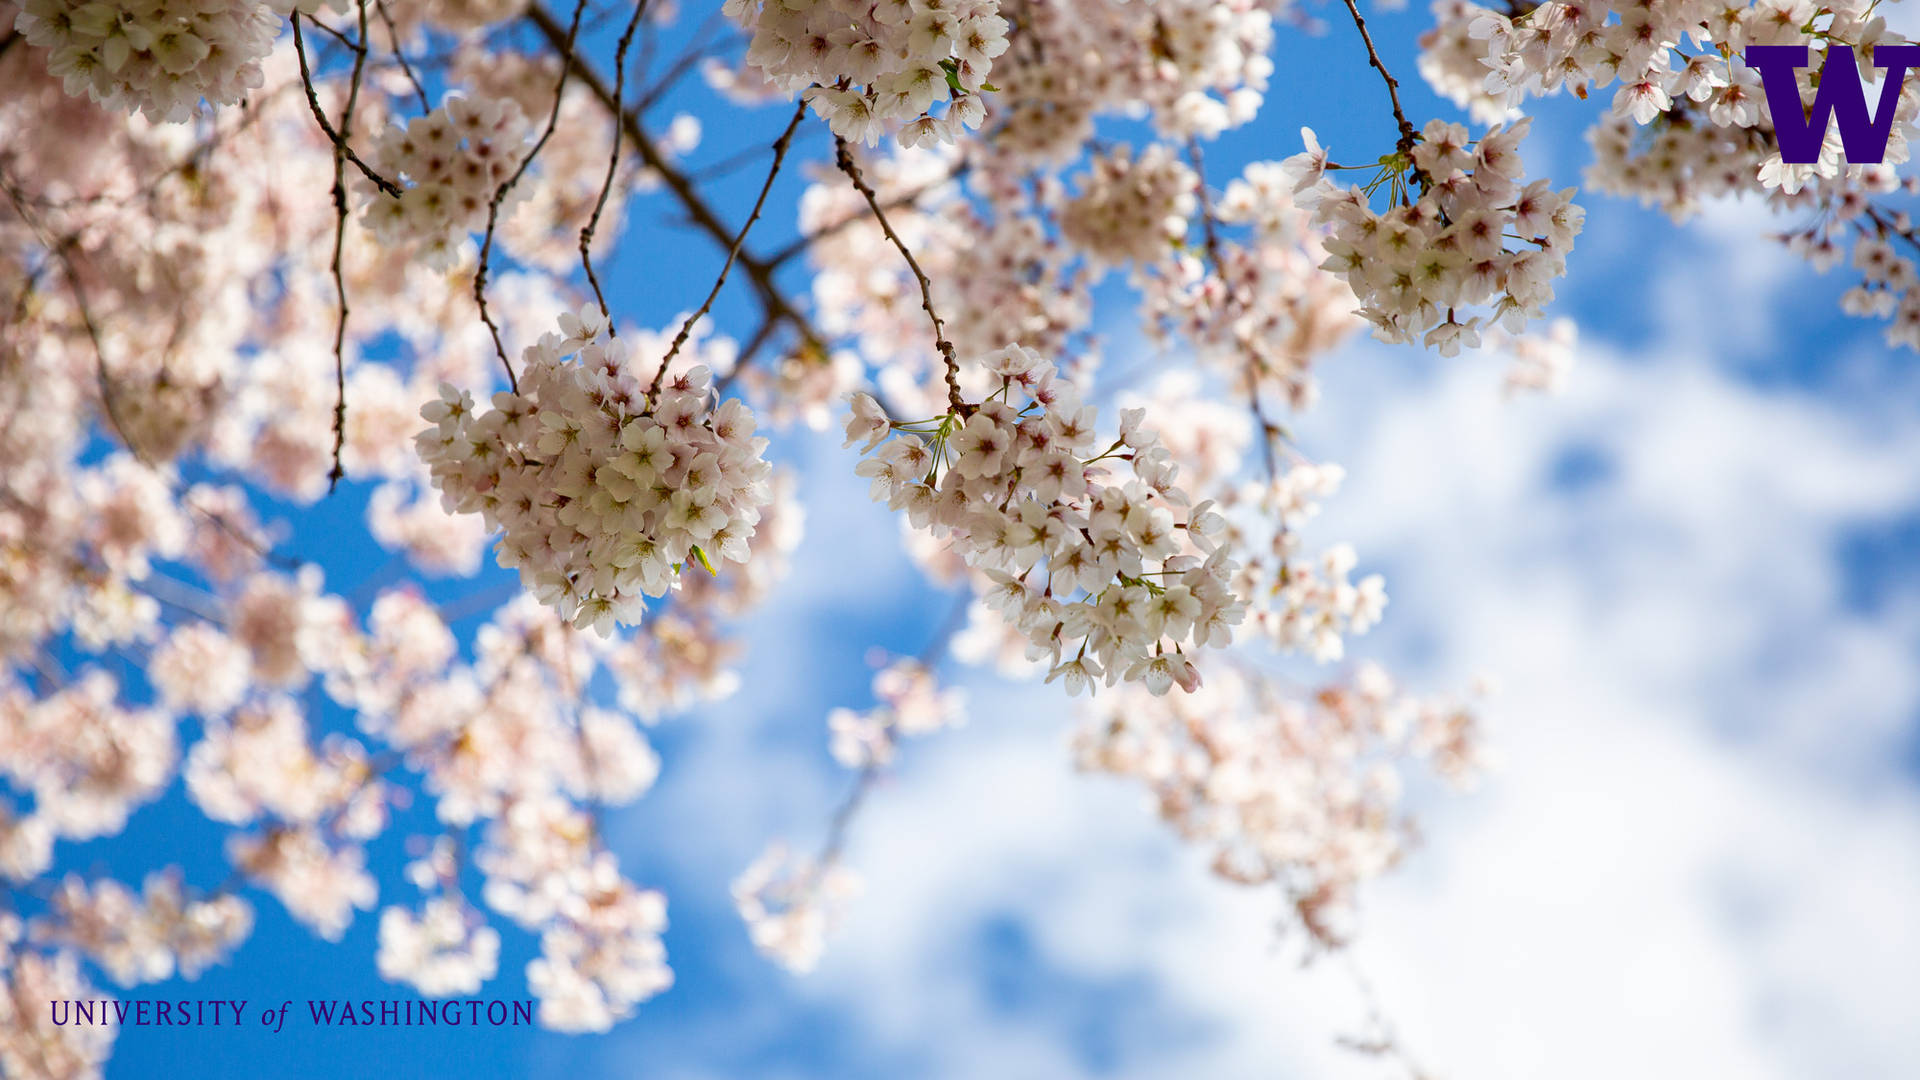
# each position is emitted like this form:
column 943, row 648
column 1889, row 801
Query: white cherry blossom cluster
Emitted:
column 1690, row 121
column 506, row 729
column 1207, row 436
column 1298, row 601
column 1302, row 603
column 319, row 882
column 1676, row 168
column 158, row 57
column 1584, row 47
column 1131, row 209
column 144, row 937
column 910, row 702
column 31, row 1044
column 87, row 758
column 1303, row 792
column 871, row 67
column 790, row 903
column 445, row 947
column 507, row 744
column 1195, row 67
column 450, row 162
column 1443, row 248
column 596, row 966
column 1709, row 93
column 600, row 948
column 1267, row 312
column 1541, row 361
column 443, row 950
column 603, row 491
column 1453, row 61
column 1093, row 568
column 259, row 763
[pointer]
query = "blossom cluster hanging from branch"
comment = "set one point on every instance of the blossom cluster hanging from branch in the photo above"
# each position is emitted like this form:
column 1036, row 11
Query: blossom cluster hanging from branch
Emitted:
column 251, row 251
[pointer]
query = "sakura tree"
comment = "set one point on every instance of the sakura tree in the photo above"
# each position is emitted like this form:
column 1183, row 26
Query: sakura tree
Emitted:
column 255, row 254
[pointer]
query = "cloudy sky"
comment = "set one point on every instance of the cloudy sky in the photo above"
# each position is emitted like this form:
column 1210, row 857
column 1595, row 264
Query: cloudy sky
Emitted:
column 1696, row 576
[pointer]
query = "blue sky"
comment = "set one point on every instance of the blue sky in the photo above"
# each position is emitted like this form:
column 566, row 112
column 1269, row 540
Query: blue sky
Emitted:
column 1694, row 574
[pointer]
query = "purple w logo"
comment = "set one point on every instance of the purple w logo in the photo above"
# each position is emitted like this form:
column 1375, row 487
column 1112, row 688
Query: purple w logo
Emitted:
column 1837, row 97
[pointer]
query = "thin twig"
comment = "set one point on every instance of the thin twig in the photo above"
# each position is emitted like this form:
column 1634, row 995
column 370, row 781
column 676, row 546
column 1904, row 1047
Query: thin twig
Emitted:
column 500, row 193
column 339, row 243
column 1268, row 430
column 60, row 251
column 613, row 160
column 393, row 35
column 898, row 202
column 843, row 157
column 758, row 271
column 337, row 35
column 1393, row 87
column 696, row 50
column 1383, row 1038
column 733, row 253
column 744, row 357
column 319, row 115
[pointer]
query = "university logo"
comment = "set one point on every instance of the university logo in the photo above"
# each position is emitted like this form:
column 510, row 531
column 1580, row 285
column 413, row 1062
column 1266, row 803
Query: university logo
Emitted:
column 1837, row 97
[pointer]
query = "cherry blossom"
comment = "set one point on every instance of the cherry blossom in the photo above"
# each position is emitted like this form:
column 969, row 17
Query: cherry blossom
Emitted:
column 605, row 488
column 1015, row 487
column 245, row 255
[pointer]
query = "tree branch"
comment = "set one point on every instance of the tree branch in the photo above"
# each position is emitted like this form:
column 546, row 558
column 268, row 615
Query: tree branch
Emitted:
column 393, row 35
column 1393, row 87
column 613, row 160
column 319, row 115
column 1268, row 430
column 758, row 270
column 339, row 242
column 733, row 253
column 843, row 157
column 500, row 193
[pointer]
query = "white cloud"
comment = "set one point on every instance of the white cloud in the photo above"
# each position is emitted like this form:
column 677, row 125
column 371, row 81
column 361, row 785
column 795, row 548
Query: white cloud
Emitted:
column 1701, row 859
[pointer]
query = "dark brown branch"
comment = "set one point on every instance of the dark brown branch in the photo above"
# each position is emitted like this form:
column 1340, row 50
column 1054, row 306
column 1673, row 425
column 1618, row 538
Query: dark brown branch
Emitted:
column 1393, row 87
column 733, row 253
column 843, row 157
column 393, row 35
column 339, row 243
column 337, row 35
column 500, row 193
column 319, row 115
column 758, row 271
column 613, row 160
column 1888, row 228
